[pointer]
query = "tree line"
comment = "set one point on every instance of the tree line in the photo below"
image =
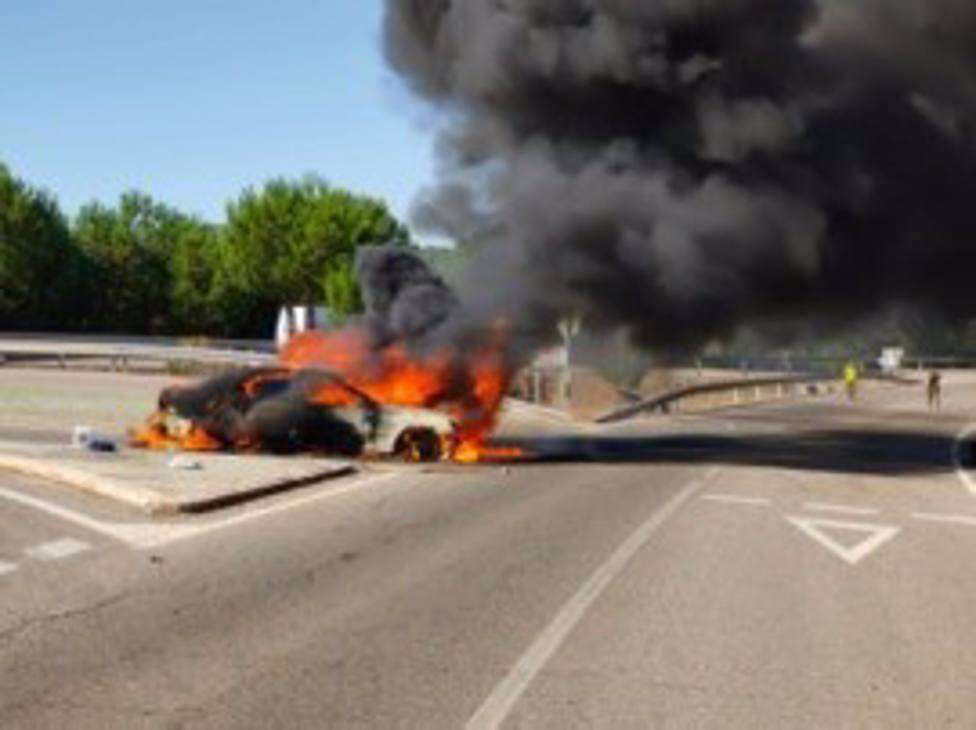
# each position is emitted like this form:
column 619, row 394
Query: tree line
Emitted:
column 142, row 267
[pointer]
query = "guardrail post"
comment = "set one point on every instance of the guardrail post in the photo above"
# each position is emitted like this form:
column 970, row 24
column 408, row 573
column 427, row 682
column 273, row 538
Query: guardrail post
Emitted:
column 61, row 361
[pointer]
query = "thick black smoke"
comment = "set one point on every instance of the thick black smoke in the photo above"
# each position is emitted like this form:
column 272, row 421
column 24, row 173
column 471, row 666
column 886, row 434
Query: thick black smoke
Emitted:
column 405, row 301
column 681, row 167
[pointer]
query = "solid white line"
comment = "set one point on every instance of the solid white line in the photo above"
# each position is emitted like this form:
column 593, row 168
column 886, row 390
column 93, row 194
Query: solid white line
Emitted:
column 192, row 531
column 57, row 549
column 146, row 535
column 821, row 507
column 64, row 513
column 950, row 519
column 732, row 499
column 502, row 699
column 961, row 472
column 7, row 568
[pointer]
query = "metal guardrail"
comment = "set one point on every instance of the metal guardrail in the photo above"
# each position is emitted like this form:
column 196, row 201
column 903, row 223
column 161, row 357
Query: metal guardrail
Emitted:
column 254, row 345
column 936, row 362
column 799, row 364
column 120, row 354
column 663, row 401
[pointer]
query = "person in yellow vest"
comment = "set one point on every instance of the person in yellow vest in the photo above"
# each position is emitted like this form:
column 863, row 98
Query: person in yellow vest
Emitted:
column 851, row 376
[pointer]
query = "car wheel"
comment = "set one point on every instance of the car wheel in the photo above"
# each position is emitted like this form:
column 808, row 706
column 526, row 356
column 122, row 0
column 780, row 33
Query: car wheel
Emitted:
column 418, row 444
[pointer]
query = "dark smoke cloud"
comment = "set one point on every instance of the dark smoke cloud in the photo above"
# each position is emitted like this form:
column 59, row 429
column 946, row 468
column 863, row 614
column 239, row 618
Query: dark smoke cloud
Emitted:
column 678, row 168
column 405, row 301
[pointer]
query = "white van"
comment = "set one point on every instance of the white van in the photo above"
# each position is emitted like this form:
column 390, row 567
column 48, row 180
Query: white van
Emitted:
column 300, row 318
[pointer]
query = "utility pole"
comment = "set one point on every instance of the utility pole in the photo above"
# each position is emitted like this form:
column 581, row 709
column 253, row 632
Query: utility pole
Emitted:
column 569, row 328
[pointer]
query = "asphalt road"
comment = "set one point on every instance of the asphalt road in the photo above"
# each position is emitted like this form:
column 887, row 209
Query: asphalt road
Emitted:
column 791, row 566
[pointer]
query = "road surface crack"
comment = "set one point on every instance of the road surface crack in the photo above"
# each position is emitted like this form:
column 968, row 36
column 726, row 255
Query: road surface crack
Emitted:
column 9, row 634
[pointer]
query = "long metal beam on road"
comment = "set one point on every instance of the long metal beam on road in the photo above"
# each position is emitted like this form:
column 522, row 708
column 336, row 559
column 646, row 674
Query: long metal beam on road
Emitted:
column 663, row 401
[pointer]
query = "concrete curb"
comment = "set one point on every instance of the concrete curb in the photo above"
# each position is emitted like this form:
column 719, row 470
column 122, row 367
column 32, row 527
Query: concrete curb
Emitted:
column 155, row 503
column 266, row 490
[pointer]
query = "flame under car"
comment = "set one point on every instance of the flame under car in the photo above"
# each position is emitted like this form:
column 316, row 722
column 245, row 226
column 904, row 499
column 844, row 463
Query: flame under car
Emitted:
column 272, row 410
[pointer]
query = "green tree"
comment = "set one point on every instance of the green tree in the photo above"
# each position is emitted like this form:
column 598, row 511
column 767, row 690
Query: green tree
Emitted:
column 151, row 266
column 342, row 294
column 295, row 243
column 40, row 271
column 192, row 265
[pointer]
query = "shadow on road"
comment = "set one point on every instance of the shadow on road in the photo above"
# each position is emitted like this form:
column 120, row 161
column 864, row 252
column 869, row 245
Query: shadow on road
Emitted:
column 853, row 451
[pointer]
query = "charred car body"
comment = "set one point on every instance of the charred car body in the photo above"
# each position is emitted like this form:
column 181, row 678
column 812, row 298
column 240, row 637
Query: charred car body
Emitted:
column 278, row 410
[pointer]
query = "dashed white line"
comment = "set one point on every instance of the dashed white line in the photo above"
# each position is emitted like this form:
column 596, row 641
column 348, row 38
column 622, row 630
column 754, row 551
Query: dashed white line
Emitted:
column 948, row 519
column 57, row 549
column 7, row 568
column 841, row 508
column 502, row 699
column 733, row 499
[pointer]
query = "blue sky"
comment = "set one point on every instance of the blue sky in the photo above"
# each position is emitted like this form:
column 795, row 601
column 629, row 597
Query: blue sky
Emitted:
column 193, row 101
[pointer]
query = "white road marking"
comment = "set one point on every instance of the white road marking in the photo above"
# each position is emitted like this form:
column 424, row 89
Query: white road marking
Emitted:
column 57, row 549
column 502, row 699
column 878, row 535
column 116, row 531
column 732, row 499
column 191, row 531
column 7, row 568
column 961, row 472
column 146, row 535
column 948, row 519
column 822, row 507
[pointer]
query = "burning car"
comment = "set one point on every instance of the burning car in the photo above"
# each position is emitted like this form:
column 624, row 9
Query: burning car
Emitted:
column 278, row 411
column 405, row 378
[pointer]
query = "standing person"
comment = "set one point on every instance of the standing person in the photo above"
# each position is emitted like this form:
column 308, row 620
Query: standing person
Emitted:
column 851, row 376
column 934, row 390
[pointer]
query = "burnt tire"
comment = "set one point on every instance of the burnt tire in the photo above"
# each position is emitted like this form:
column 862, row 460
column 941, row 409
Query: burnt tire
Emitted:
column 418, row 444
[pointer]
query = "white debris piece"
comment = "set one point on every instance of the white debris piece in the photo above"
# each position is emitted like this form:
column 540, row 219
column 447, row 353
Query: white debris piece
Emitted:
column 81, row 436
column 84, row 437
column 184, row 462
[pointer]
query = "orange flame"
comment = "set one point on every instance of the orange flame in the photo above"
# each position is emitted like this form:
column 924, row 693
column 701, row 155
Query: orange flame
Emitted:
column 157, row 435
column 469, row 386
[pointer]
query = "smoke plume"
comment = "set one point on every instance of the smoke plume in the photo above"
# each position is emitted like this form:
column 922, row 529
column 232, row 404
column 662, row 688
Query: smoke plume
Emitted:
column 405, row 301
column 677, row 168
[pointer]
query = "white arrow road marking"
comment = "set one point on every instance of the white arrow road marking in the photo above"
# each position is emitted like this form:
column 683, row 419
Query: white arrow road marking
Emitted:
column 6, row 568
column 877, row 535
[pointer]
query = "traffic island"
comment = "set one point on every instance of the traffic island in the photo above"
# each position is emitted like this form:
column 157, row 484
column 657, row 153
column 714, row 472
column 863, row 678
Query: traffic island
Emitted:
column 161, row 483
